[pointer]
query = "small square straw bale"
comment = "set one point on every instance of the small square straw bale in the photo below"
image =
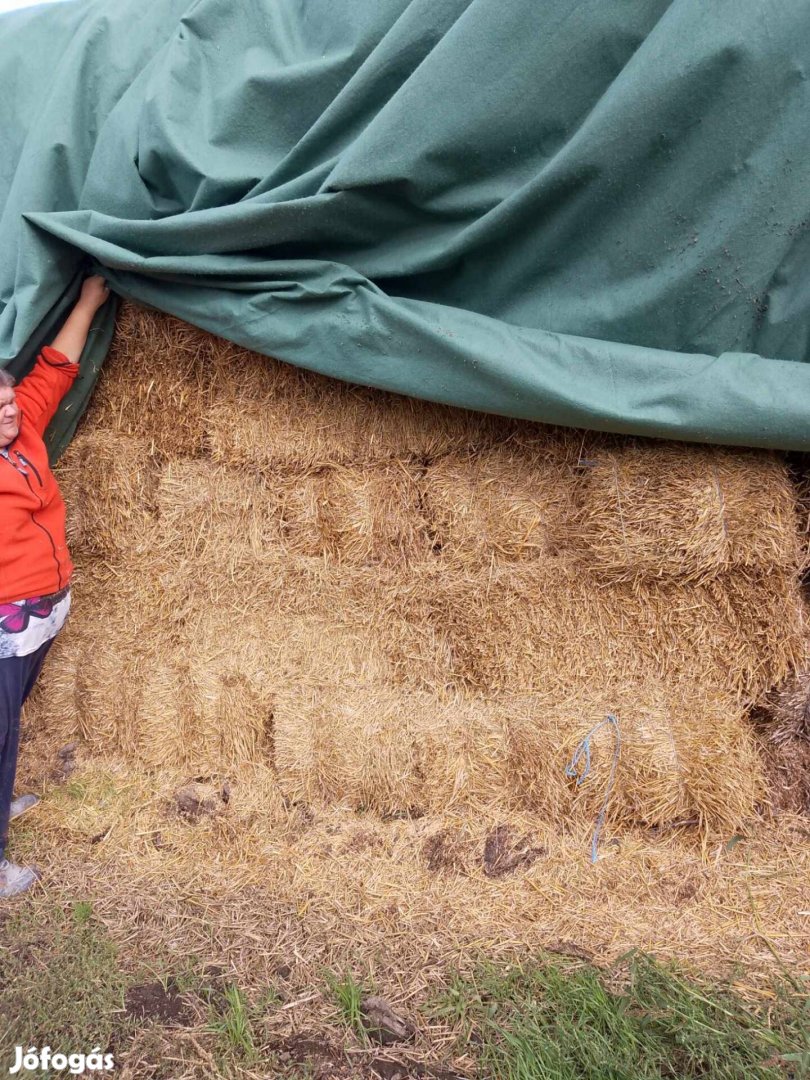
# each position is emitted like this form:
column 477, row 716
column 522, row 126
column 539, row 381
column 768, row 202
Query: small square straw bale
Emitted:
column 208, row 704
column 109, row 483
column 504, row 503
column 685, row 755
column 210, row 514
column 392, row 752
column 210, row 700
column 742, row 632
column 157, row 382
column 93, row 680
column 550, row 628
column 310, row 421
column 339, row 744
column 670, row 511
column 360, row 514
column 397, row 608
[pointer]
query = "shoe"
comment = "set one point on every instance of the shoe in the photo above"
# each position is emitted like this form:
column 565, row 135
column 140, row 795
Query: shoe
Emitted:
column 21, row 804
column 16, row 879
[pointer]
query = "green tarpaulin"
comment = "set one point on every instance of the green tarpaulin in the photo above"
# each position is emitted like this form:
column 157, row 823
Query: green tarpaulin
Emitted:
column 590, row 212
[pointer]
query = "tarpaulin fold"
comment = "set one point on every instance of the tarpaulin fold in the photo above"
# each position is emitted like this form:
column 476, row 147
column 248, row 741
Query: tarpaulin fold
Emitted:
column 583, row 213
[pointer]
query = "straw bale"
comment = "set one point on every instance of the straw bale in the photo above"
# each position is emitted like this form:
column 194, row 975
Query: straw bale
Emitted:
column 310, row 421
column 224, row 655
column 651, row 782
column 467, row 757
column 158, row 381
column 321, row 651
column 315, row 610
column 56, row 705
column 162, row 677
column 745, row 633
column 210, row 514
column 225, row 515
column 218, row 540
column 502, row 628
column 379, row 749
column 318, row 662
column 353, row 745
column 108, row 482
column 92, row 684
column 505, row 502
column 365, row 514
column 133, row 671
column 498, row 629
column 401, row 612
column 185, row 389
column 273, row 416
column 395, row 752
column 683, row 512
column 688, row 755
column 208, row 703
column 550, row 628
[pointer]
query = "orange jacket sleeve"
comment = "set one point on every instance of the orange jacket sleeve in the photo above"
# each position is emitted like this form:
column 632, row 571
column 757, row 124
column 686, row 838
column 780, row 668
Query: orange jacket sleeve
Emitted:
column 40, row 392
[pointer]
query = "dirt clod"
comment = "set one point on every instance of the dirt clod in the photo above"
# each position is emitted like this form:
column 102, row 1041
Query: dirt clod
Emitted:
column 197, row 800
column 446, row 850
column 506, row 851
column 362, row 840
column 570, row 948
column 383, row 1024
column 322, row 1059
column 65, row 762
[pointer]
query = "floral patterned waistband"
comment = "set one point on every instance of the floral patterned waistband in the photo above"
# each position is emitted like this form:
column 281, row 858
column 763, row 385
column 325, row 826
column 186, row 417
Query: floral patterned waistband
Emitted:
column 16, row 617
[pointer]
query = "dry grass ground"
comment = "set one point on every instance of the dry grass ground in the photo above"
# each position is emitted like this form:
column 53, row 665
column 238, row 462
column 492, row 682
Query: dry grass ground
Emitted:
column 272, row 896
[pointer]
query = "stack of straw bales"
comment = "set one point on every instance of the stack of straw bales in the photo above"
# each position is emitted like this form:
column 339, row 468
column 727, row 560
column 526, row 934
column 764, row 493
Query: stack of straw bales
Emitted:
column 404, row 607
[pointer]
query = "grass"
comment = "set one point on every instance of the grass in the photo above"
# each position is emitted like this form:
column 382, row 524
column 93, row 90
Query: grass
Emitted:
column 232, row 1022
column 236, row 1022
column 348, row 995
column 549, row 1019
column 557, row 1021
column 99, row 790
column 60, row 983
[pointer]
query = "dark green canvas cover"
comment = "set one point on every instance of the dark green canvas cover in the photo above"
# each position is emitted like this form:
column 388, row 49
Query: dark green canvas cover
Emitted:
column 590, row 212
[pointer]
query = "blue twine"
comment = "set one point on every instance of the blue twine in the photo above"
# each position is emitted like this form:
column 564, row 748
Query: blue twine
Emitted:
column 573, row 772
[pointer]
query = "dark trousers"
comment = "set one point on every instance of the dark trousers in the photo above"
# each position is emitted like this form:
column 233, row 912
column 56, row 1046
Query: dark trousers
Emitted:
column 17, row 677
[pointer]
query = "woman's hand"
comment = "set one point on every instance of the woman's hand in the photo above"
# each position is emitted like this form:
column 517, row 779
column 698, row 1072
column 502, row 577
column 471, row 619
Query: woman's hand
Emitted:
column 95, row 292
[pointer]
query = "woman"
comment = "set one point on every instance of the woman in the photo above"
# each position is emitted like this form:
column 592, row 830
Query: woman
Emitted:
column 35, row 566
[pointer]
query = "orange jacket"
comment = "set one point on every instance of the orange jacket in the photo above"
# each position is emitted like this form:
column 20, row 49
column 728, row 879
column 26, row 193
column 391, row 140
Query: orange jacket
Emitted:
column 34, row 559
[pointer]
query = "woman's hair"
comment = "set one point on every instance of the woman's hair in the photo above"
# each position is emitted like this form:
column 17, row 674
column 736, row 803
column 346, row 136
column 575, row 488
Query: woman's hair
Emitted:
column 6, row 379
